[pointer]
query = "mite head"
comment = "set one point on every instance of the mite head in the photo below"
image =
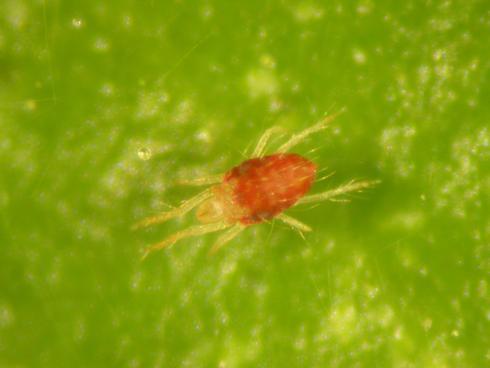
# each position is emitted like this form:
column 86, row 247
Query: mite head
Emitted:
column 210, row 211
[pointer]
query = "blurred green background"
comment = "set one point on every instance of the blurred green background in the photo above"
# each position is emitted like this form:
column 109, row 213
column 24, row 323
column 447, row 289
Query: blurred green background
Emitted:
column 104, row 104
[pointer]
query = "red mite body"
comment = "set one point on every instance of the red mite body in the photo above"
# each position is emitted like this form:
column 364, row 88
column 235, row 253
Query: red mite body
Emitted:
column 257, row 190
column 264, row 187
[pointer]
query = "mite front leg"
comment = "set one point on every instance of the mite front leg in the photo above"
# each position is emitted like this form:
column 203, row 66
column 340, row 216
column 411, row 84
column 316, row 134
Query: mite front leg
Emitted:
column 299, row 137
column 208, row 180
column 264, row 139
column 192, row 231
column 332, row 194
column 185, row 207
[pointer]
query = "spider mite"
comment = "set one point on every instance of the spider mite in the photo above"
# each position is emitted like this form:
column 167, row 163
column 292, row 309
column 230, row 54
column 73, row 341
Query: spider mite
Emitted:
column 259, row 189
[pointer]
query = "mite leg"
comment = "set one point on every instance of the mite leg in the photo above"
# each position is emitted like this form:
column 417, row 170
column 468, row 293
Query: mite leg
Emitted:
column 192, row 231
column 226, row 237
column 208, row 180
column 332, row 194
column 185, row 207
column 295, row 224
column 297, row 138
column 324, row 177
column 260, row 149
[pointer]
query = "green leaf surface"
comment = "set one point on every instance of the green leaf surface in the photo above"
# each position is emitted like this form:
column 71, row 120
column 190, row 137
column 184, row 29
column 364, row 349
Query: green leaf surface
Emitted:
column 105, row 105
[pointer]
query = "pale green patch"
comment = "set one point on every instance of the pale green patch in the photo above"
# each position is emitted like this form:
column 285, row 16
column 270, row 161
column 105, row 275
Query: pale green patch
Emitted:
column 307, row 12
column 261, row 83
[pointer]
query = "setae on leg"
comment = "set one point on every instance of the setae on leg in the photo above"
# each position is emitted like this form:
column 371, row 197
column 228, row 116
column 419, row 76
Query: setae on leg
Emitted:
column 333, row 194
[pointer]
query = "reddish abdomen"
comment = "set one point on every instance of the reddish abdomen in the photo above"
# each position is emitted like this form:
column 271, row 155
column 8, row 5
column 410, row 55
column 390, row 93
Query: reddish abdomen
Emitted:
column 264, row 187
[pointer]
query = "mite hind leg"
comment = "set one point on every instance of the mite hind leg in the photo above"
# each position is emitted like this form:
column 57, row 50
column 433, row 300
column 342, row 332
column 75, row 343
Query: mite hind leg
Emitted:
column 299, row 137
column 226, row 237
column 295, row 224
column 185, row 207
column 333, row 194
column 192, row 231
